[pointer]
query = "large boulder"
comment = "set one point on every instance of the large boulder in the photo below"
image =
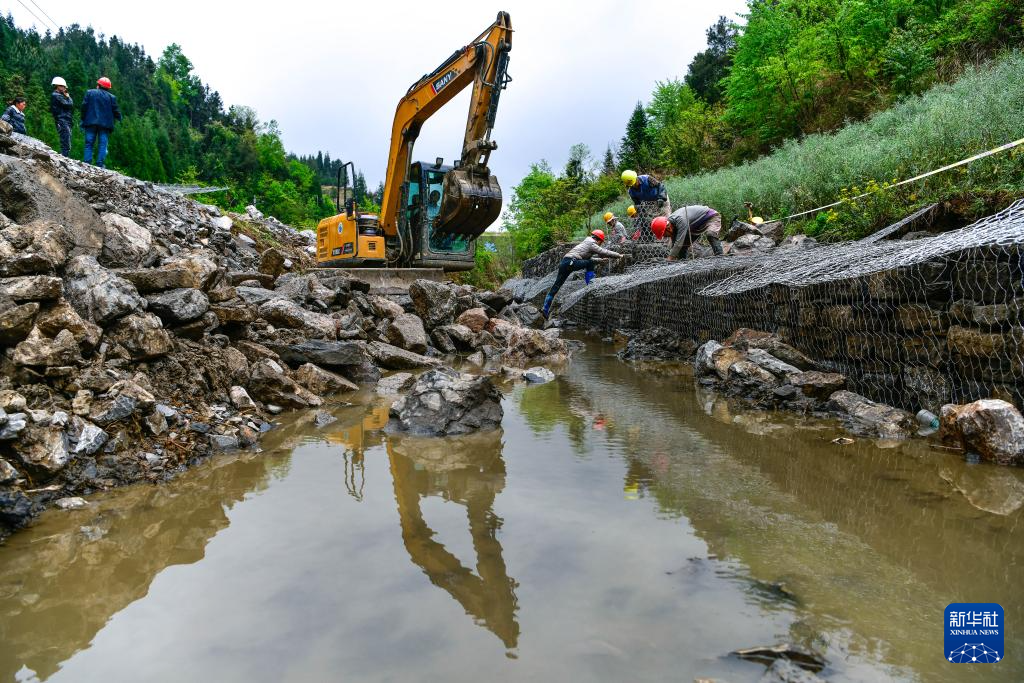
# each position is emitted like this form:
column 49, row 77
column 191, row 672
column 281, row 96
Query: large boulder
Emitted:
column 444, row 402
column 195, row 271
column 43, row 449
column 126, row 243
column 141, row 335
column 286, row 313
column 406, row 331
column 475, row 319
column 435, row 302
column 28, row 193
column 819, row 385
column 98, row 294
column 272, row 262
column 177, row 306
column 305, row 290
column 871, row 418
column 704, row 361
column 992, row 428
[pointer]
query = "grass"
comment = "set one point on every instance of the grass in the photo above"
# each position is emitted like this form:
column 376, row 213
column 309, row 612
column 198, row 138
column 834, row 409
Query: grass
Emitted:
column 981, row 110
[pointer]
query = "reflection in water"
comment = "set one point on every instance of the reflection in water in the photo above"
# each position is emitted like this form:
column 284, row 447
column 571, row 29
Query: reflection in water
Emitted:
column 59, row 588
column 466, row 470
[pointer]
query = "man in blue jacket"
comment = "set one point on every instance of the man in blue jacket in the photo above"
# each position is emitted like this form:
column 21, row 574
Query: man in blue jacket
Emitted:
column 650, row 197
column 99, row 111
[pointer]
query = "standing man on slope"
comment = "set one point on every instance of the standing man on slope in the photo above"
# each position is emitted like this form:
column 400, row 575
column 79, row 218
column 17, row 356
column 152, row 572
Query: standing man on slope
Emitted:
column 650, row 197
column 580, row 257
column 99, row 111
column 62, row 108
column 687, row 225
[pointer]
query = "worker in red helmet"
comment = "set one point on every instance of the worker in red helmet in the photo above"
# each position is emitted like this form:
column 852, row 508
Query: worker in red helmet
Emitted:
column 99, row 112
column 686, row 225
column 580, row 257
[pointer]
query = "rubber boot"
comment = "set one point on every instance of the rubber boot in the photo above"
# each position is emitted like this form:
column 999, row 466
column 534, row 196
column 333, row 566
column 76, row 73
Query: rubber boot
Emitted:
column 588, row 276
column 547, row 306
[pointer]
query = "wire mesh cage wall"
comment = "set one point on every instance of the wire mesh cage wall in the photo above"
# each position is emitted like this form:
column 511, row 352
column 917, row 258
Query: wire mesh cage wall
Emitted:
column 911, row 323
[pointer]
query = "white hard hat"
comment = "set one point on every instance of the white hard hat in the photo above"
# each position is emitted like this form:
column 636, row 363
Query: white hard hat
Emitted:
column 57, row 80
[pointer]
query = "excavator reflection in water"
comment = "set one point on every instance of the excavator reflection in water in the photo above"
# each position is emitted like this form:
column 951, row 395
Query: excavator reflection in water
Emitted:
column 466, row 470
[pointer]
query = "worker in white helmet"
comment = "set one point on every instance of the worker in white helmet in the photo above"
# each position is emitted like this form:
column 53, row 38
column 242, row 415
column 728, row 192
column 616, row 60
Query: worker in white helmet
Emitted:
column 62, row 107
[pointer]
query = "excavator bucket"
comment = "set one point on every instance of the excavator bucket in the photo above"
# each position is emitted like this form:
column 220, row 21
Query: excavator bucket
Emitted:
column 471, row 202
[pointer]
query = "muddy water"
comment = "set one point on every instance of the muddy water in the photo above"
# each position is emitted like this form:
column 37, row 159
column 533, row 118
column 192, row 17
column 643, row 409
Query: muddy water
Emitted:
column 622, row 526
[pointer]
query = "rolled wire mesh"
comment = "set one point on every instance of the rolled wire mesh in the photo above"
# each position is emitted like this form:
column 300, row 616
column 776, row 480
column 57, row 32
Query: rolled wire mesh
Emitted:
column 911, row 323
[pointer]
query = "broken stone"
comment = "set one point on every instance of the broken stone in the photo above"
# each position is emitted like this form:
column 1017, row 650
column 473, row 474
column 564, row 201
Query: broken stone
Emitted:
column 704, row 363
column 12, row 401
column 125, row 242
column 11, row 425
column 87, row 437
column 142, row 335
column 240, row 398
column 820, row 385
column 992, row 428
column 538, row 375
column 526, row 345
column 270, row 384
column 435, row 302
column 71, row 503
column 38, row 350
column 177, row 306
column 156, row 423
column 322, row 418
column 406, row 331
column 475, row 319
column 330, row 354
column 724, row 358
column 289, row 314
column 43, row 450
column 224, row 442
column 107, row 411
column 446, row 402
column 64, row 317
column 871, row 418
column 32, row 288
column 98, row 294
column 17, row 322
column 395, row 384
column 394, row 358
column 82, row 403
column 322, row 382
column 386, row 308
column 8, row 475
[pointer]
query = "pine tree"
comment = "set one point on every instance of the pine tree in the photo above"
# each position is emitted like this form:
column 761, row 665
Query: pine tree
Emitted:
column 709, row 67
column 608, row 167
column 636, row 151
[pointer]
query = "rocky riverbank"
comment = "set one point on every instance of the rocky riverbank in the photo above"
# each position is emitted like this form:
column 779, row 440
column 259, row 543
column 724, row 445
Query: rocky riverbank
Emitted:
column 142, row 331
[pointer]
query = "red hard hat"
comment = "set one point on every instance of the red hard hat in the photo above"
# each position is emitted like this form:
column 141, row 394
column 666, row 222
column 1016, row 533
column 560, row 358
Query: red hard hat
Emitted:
column 599, row 234
column 658, row 226
column 104, row 82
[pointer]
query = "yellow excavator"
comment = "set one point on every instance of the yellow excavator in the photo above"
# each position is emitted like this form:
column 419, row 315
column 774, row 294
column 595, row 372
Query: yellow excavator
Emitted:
column 431, row 214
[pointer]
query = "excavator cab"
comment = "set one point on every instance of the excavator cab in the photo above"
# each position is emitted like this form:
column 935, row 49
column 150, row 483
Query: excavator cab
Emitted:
column 431, row 245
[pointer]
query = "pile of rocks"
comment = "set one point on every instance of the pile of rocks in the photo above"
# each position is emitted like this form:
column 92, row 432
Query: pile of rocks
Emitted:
column 141, row 331
column 760, row 368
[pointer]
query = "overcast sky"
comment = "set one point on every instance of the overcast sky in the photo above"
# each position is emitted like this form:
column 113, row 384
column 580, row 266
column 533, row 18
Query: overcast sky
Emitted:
column 331, row 74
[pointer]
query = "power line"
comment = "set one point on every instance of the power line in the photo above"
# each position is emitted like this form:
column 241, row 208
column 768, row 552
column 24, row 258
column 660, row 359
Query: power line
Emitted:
column 54, row 23
column 29, row 10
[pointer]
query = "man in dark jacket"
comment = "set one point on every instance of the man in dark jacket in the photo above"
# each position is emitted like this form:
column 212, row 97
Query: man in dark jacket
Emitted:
column 650, row 197
column 62, row 108
column 686, row 226
column 99, row 111
column 15, row 115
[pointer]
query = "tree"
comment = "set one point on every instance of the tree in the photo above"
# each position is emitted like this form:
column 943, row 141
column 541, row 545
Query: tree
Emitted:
column 636, row 149
column 608, row 167
column 708, row 68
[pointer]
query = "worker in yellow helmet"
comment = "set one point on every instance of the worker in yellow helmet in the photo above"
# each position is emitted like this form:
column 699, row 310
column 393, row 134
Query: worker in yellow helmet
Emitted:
column 617, row 230
column 650, row 197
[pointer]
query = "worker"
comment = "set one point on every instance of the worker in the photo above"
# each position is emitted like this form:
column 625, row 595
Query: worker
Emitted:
column 62, row 108
column 619, row 234
column 686, row 225
column 650, row 197
column 99, row 112
column 15, row 115
column 580, row 257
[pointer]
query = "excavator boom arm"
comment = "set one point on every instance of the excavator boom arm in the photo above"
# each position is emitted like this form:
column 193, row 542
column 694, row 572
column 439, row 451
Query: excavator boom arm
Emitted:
column 483, row 63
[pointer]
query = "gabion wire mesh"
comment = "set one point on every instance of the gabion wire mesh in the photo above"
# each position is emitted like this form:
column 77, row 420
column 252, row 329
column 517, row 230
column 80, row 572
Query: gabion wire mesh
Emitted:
column 914, row 324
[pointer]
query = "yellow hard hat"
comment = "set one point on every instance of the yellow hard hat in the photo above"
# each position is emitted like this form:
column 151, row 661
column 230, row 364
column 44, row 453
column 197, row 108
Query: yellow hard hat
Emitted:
column 608, row 216
column 629, row 177
column 631, row 211
column 757, row 220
